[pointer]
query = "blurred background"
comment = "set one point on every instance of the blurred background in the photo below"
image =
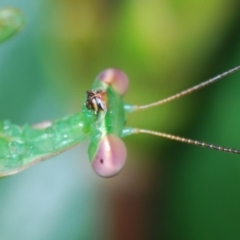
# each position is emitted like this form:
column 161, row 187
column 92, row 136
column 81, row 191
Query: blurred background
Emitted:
column 167, row 190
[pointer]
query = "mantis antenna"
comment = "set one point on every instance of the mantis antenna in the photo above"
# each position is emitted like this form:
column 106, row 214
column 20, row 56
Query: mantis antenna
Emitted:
column 189, row 141
column 187, row 91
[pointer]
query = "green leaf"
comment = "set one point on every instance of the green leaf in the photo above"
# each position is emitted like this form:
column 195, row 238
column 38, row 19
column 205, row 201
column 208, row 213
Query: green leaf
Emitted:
column 11, row 21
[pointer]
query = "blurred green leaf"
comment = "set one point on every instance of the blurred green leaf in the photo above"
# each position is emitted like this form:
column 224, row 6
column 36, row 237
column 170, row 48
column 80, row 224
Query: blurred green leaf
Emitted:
column 11, row 21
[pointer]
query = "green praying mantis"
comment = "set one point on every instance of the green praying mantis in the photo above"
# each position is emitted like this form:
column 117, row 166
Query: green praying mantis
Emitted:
column 102, row 121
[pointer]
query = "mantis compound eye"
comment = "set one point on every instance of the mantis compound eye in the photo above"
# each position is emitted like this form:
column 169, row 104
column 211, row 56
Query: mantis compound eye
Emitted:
column 116, row 79
column 111, row 156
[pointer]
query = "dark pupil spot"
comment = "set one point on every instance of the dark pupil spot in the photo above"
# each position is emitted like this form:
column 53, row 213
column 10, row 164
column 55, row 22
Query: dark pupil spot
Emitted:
column 101, row 160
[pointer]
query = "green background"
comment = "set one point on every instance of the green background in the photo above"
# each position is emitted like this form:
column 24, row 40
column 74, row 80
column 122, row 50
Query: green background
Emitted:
column 167, row 190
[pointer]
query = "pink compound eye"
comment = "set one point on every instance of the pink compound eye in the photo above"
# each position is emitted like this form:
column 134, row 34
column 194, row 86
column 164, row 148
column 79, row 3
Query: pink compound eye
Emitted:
column 116, row 79
column 111, row 156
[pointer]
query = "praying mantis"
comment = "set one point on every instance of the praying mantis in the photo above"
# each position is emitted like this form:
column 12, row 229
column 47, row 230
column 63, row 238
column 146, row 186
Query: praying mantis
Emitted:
column 102, row 121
